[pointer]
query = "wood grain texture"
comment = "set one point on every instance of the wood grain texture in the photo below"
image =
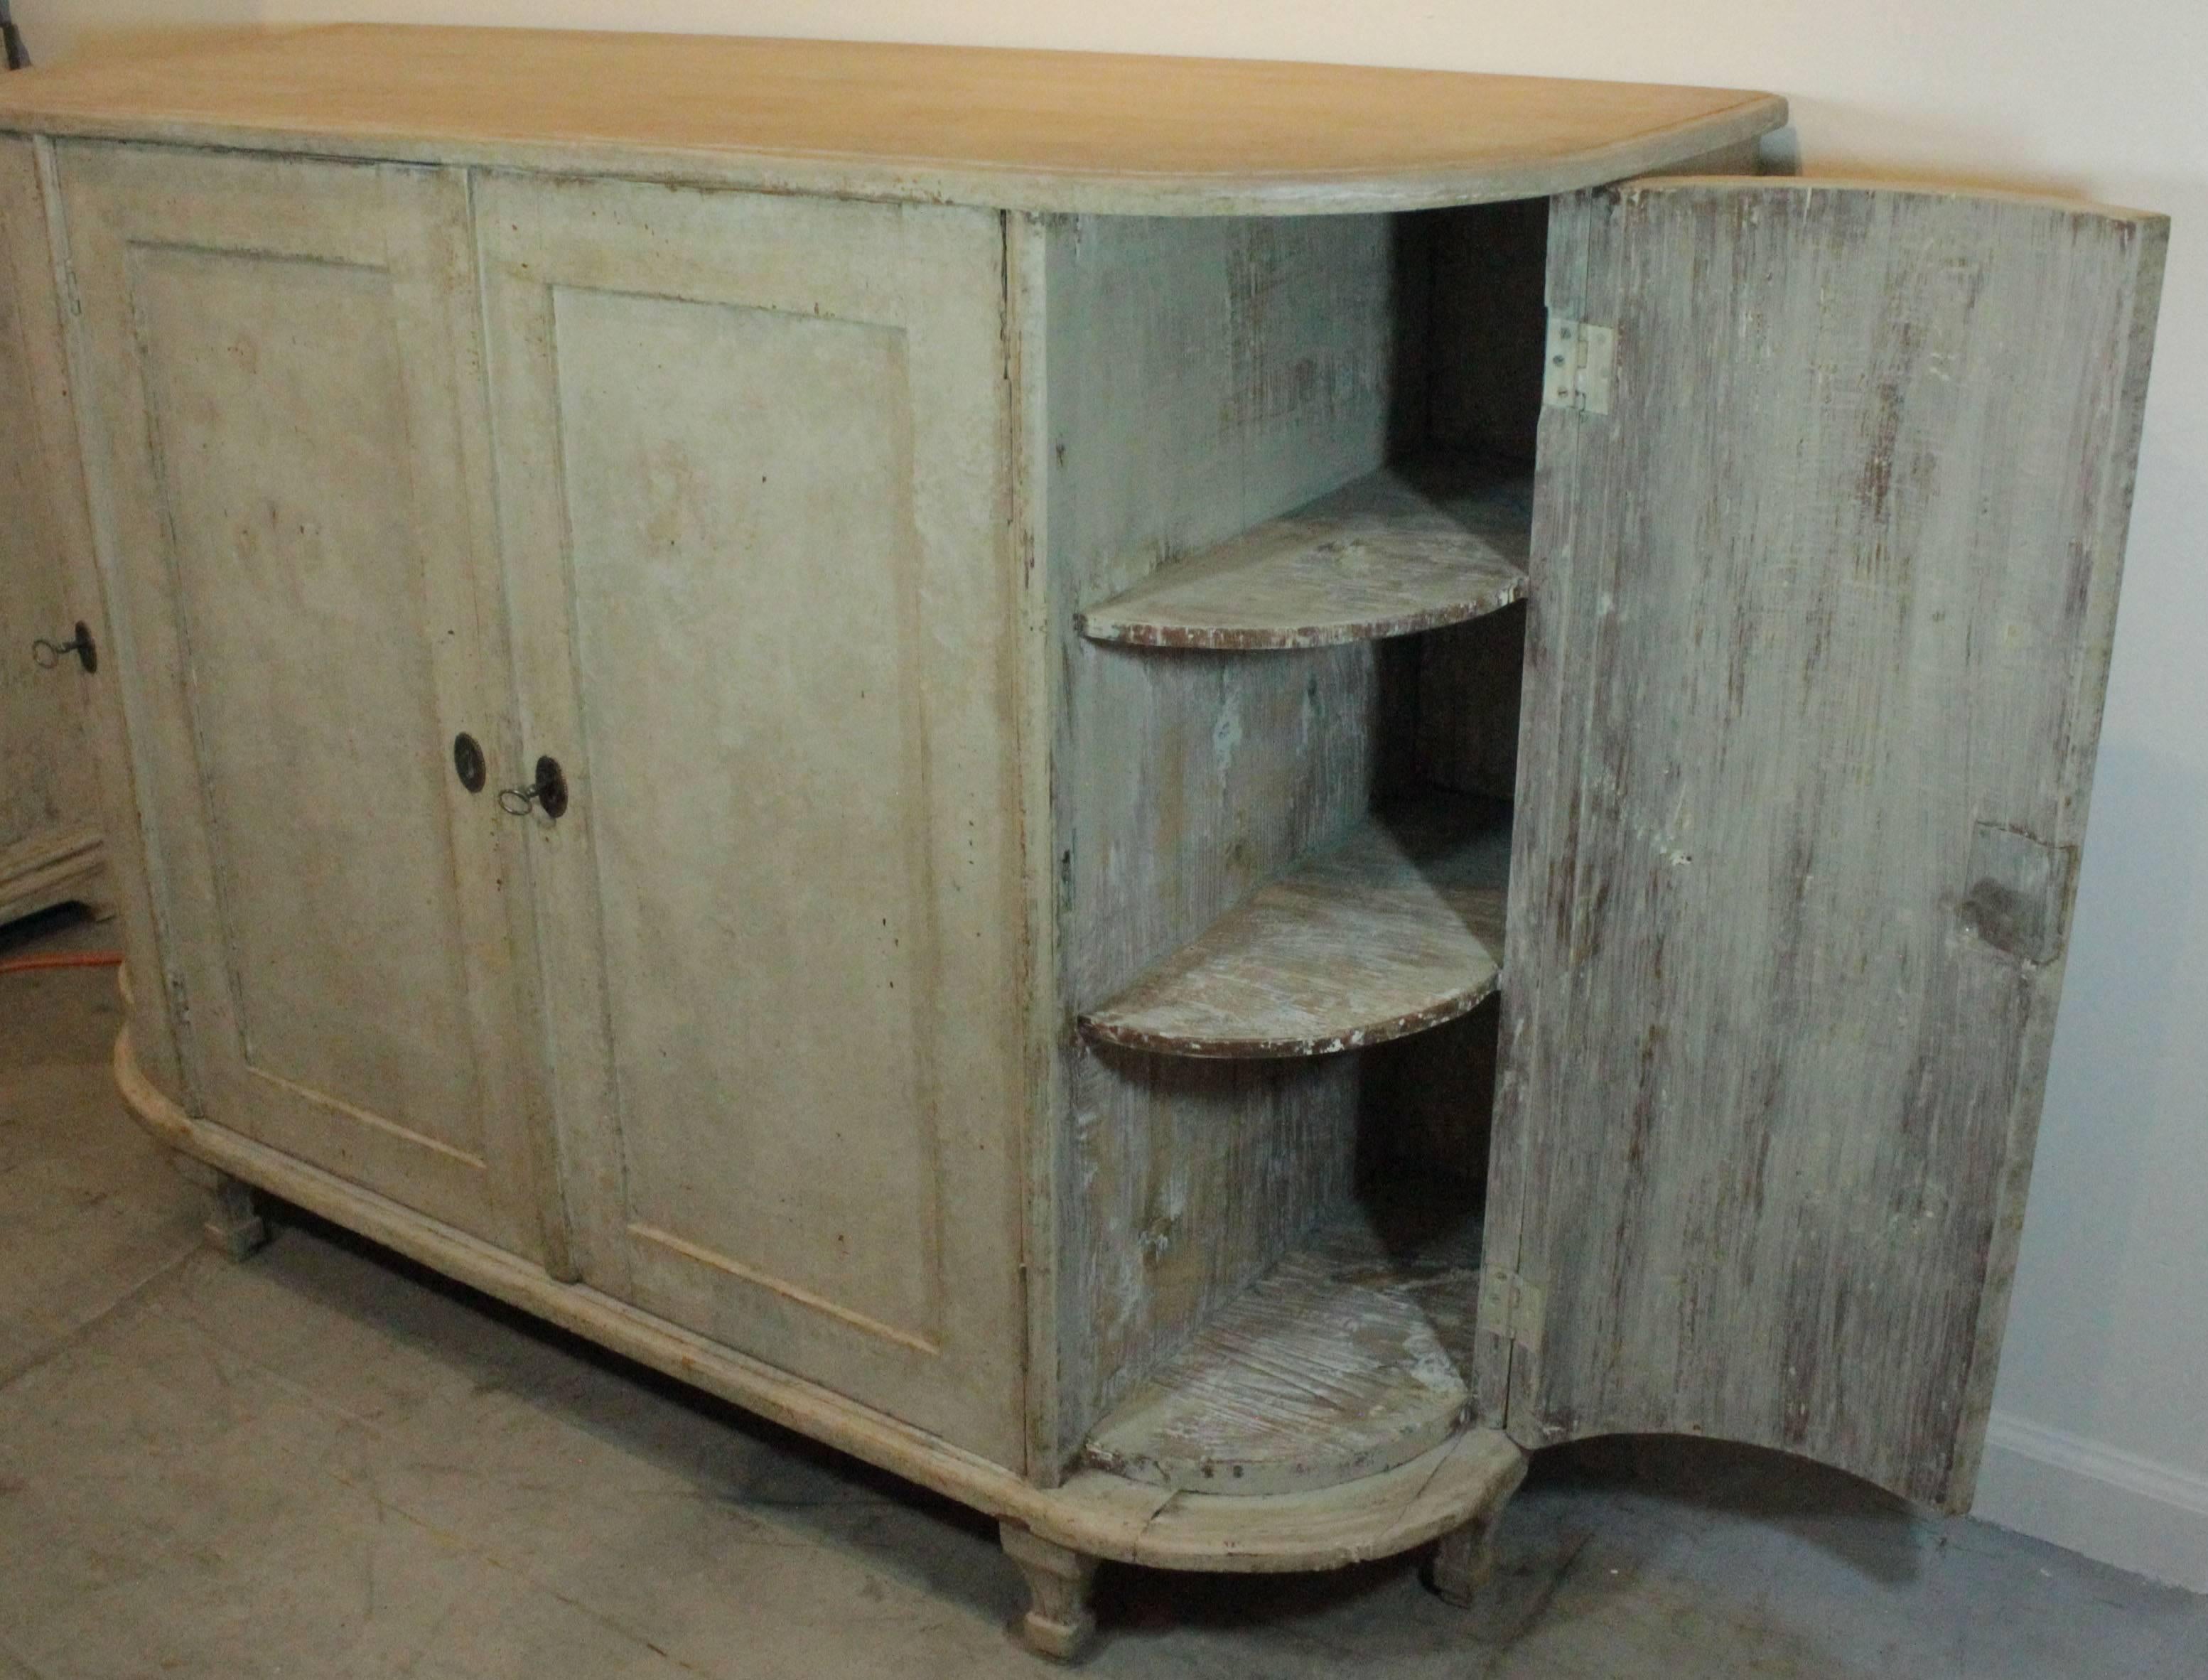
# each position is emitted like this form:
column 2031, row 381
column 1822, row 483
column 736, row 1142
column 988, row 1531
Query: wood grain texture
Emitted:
column 50, row 838
column 1096, row 1513
column 1829, row 590
column 1186, row 380
column 1397, row 929
column 1399, row 551
column 753, row 499
column 1048, row 131
column 1338, row 1363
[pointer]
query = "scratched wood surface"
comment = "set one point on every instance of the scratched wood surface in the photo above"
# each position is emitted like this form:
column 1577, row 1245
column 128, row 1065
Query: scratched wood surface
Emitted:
column 1400, row 550
column 1397, row 929
column 1820, row 632
column 1191, row 379
column 1098, row 132
column 1336, row 1364
column 49, row 842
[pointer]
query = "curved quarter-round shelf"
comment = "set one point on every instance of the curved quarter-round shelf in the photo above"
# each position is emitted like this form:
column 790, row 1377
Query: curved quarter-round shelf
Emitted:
column 1398, row 929
column 1339, row 1364
column 1396, row 552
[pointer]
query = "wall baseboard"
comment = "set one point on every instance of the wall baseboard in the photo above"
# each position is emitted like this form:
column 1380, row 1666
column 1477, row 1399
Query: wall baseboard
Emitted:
column 2114, row 1507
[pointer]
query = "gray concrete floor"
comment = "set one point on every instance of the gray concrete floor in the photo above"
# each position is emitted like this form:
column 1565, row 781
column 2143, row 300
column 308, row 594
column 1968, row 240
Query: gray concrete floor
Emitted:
column 328, row 1463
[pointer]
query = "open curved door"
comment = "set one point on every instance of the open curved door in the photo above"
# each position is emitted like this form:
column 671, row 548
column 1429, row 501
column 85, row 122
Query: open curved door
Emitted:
column 1825, row 569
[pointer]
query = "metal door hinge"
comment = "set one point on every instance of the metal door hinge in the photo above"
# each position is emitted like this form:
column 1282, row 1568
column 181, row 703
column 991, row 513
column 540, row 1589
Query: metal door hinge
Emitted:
column 1578, row 371
column 1511, row 1309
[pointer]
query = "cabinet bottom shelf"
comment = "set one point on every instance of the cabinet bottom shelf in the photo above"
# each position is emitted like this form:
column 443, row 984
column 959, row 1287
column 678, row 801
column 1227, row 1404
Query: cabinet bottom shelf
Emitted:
column 1344, row 1361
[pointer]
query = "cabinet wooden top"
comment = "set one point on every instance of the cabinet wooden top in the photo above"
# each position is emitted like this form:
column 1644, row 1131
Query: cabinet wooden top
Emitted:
column 1063, row 131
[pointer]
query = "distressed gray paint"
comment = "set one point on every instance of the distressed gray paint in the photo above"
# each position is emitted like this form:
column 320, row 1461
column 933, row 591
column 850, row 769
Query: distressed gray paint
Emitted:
column 1829, row 589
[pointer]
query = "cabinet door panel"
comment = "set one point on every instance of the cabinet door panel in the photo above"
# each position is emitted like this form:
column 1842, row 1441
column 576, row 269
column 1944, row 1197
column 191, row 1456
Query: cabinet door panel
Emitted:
column 753, row 513
column 293, row 504
column 1819, row 631
column 49, row 832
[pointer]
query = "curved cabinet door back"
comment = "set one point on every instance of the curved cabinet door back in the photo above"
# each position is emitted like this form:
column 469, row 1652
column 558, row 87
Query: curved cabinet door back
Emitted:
column 284, row 433
column 1819, row 631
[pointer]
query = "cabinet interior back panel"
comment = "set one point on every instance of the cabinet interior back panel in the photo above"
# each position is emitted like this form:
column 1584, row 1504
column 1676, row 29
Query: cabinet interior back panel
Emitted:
column 779, row 957
column 280, row 426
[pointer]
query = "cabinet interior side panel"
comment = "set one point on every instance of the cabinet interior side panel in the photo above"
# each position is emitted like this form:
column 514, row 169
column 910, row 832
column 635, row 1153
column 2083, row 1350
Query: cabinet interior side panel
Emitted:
column 1201, row 376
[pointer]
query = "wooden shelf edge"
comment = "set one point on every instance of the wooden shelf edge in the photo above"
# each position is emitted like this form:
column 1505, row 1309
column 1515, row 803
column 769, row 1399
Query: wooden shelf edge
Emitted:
column 1244, row 1047
column 1395, row 552
column 1396, row 930
column 1106, row 1515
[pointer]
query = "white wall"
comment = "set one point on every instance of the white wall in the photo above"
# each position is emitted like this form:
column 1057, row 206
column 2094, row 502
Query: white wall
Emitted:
column 2101, row 1440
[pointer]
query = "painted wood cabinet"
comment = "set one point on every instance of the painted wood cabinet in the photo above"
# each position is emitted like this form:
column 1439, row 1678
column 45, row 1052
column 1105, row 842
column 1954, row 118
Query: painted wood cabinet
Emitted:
column 49, row 840
column 1190, row 797
column 753, row 509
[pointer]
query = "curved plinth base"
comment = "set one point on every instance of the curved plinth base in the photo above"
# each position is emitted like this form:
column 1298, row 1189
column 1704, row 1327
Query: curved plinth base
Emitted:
column 1096, row 1514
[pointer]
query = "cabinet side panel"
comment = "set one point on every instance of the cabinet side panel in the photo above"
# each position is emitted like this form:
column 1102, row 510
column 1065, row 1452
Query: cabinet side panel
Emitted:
column 1201, row 376
column 30, row 215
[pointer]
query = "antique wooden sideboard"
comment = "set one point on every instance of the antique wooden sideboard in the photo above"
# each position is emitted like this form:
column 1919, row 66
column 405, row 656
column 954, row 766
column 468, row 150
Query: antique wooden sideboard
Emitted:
column 1188, row 796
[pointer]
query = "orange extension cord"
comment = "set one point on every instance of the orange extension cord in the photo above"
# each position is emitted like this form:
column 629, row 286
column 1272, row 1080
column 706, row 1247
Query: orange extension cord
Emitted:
column 67, row 959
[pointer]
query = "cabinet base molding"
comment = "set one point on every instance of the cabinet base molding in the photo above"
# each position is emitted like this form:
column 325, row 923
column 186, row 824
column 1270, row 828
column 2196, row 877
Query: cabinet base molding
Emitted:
column 1093, row 1515
column 70, row 872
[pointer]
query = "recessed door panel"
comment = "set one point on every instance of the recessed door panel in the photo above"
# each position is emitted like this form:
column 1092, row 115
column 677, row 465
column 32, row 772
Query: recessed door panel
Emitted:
column 290, row 488
column 48, row 825
column 754, row 509
column 744, row 580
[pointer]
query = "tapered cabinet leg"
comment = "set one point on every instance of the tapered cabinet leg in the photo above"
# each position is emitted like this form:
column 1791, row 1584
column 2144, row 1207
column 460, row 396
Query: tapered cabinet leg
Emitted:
column 1464, row 1559
column 234, row 1225
column 1059, row 1623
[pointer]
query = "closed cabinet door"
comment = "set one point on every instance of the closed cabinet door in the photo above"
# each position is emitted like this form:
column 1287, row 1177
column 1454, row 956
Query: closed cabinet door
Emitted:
column 1822, row 600
column 49, row 831
column 753, row 513
column 285, row 434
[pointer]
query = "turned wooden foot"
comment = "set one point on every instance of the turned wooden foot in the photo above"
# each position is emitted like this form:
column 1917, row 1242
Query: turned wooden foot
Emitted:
column 233, row 1226
column 1464, row 1559
column 1058, row 1622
